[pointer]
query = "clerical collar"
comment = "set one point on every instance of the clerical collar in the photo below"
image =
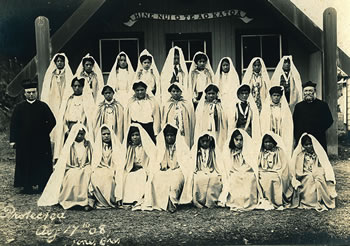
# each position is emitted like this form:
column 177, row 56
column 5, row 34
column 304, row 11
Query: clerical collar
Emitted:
column 31, row 102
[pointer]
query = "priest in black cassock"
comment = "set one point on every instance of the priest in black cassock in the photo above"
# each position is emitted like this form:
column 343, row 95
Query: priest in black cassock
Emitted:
column 312, row 116
column 31, row 124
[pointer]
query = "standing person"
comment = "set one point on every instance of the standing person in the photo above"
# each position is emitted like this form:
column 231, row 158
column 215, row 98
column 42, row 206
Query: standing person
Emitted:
column 174, row 71
column 31, row 124
column 91, row 72
column 179, row 112
column 144, row 110
column 56, row 85
column 258, row 79
column 276, row 117
column 109, row 112
column 121, row 76
column 147, row 72
column 312, row 116
column 287, row 75
column 201, row 74
column 227, row 79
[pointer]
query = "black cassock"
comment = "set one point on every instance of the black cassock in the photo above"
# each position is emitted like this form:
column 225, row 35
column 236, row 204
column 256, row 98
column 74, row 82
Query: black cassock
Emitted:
column 314, row 118
column 30, row 129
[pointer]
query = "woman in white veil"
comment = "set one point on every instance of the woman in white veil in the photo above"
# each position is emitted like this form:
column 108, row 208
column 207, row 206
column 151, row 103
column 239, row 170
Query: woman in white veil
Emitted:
column 121, row 77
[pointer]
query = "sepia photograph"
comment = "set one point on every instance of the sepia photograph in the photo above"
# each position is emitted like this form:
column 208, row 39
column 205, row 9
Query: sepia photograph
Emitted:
column 174, row 122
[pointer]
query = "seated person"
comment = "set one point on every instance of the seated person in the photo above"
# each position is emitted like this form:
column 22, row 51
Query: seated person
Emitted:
column 312, row 176
column 68, row 184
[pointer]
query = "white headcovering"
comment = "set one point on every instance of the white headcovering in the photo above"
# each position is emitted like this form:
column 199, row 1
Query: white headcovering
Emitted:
column 118, row 151
column 52, row 190
column 168, row 71
column 50, row 91
column 230, row 86
column 265, row 77
column 96, row 69
column 287, row 121
column 152, row 69
column 296, row 91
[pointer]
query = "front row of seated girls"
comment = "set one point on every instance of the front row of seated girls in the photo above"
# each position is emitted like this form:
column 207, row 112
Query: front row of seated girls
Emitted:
column 147, row 177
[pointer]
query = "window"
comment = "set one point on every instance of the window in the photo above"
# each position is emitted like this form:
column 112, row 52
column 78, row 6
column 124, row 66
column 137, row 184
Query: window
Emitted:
column 268, row 47
column 190, row 44
column 110, row 48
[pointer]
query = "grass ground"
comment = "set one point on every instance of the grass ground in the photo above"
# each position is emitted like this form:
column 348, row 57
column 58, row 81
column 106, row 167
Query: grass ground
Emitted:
column 188, row 226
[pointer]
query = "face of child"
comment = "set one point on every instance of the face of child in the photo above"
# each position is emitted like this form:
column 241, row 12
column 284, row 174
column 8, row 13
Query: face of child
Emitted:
column 59, row 63
column 122, row 62
column 204, row 142
column 238, row 141
column 175, row 93
column 88, row 66
column 275, row 98
column 135, row 138
column 176, row 59
column 211, row 96
column 31, row 94
column 308, row 146
column 268, row 143
column 146, row 64
column 106, row 135
column 108, row 94
column 257, row 66
column 243, row 95
column 201, row 64
column 80, row 136
column 225, row 66
column 140, row 92
column 77, row 88
column 286, row 66
column 170, row 138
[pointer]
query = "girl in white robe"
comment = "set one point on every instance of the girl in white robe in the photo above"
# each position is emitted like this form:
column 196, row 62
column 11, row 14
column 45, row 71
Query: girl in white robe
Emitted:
column 92, row 75
column 211, row 116
column 68, row 184
column 175, row 71
column 133, row 179
column 227, row 79
column 200, row 75
column 257, row 78
column 287, row 75
column 276, row 117
column 273, row 165
column 109, row 112
column 121, row 77
column 312, row 176
column 147, row 72
column 178, row 111
column 78, row 108
column 241, row 192
column 108, row 157
column 208, row 171
column 169, row 170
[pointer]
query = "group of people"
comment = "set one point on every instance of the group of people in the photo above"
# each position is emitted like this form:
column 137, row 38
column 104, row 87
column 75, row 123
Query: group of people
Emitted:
column 153, row 141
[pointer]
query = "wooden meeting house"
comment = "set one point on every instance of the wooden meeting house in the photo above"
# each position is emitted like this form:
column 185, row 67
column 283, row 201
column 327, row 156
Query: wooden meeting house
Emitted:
column 240, row 29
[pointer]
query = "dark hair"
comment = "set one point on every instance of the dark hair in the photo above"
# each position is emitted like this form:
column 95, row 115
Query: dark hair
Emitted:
column 233, row 136
column 81, row 81
column 199, row 57
column 90, row 59
column 145, row 57
column 276, row 89
column 104, row 128
column 211, row 87
column 268, row 136
column 211, row 139
column 59, row 56
column 137, row 84
column 122, row 54
column 169, row 129
column 223, row 60
column 287, row 60
column 257, row 60
column 132, row 129
column 242, row 88
column 106, row 87
column 304, row 139
column 173, row 85
column 176, row 52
